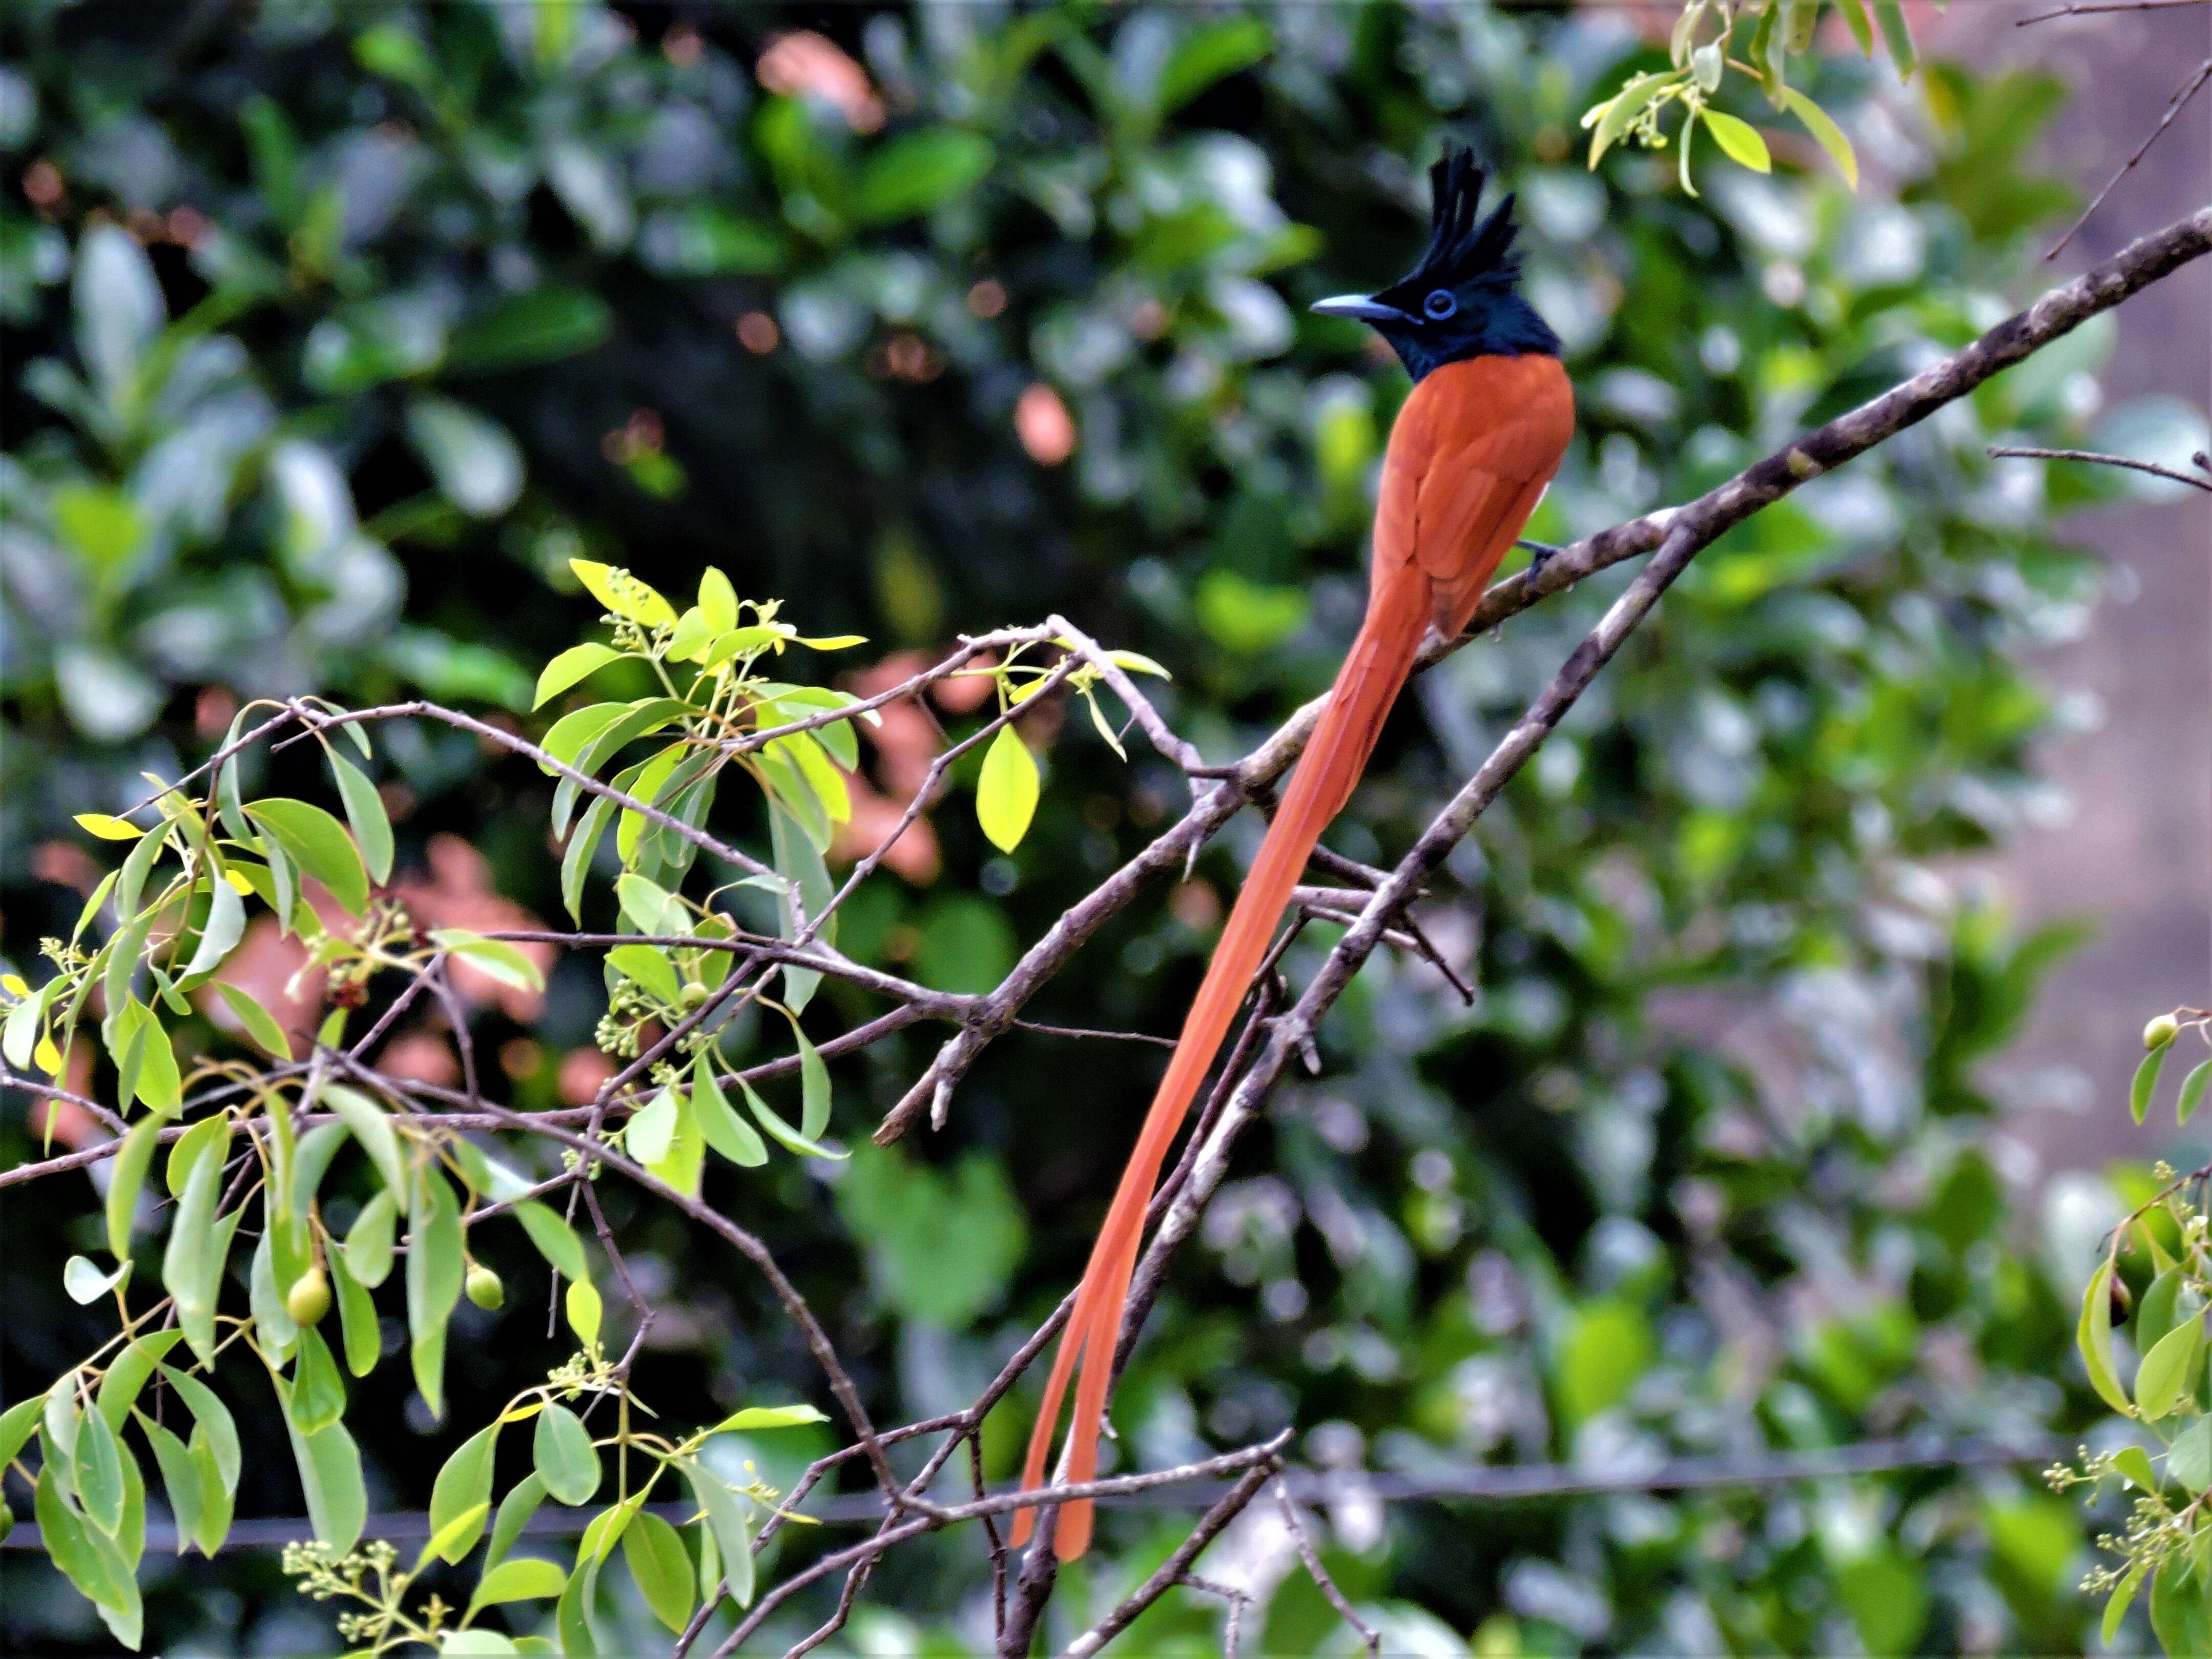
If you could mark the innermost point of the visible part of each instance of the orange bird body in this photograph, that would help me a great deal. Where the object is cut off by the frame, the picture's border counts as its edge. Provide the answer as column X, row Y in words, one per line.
column 1474, row 447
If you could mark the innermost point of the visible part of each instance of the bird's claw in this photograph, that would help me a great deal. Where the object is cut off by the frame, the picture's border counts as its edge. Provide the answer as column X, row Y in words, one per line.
column 1540, row 555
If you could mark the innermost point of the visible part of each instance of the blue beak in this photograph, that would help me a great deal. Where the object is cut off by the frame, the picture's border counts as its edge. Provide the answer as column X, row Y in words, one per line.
column 1360, row 308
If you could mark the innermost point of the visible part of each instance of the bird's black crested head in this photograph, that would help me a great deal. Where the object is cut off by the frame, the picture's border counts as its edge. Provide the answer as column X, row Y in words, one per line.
column 1463, row 299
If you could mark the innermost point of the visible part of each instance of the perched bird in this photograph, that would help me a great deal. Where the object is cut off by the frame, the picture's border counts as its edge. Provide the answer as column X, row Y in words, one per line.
column 1474, row 447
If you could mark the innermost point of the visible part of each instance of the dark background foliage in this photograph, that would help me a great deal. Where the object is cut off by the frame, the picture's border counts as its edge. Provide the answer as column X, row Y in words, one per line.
column 455, row 292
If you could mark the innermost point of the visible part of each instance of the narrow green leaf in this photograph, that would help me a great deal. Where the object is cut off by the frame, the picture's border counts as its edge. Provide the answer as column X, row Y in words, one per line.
column 576, row 859
column 364, row 811
column 1620, row 112
column 781, row 1132
column 186, row 1151
column 319, row 843
column 661, row 1567
column 515, row 1510
column 436, row 1263
column 369, row 1240
column 2133, row 1462
column 2146, row 1081
column 2167, row 1370
column 503, row 962
column 768, row 1417
column 2116, row 1608
column 2094, row 1338
column 2189, row 1461
column 554, row 1240
column 1824, row 130
column 1006, row 790
column 650, row 968
column 582, row 1306
column 1738, row 140
column 464, row 1486
column 219, row 932
column 96, row 1466
column 524, row 1578
column 566, row 1461
column 447, row 1543
column 1897, row 38
column 724, row 1131
column 214, row 1416
column 267, row 1035
column 127, row 1374
column 192, row 1266
column 180, row 1478
column 330, row 1473
column 651, row 1129
column 624, row 594
column 18, row 1425
column 318, row 1397
column 577, row 662
column 86, row 1283
column 89, row 1561
column 357, row 1323
column 2192, row 1092
column 725, row 1519
column 370, row 1125
column 130, row 1178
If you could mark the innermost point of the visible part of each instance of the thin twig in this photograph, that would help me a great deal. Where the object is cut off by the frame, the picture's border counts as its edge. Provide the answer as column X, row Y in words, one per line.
column 2093, row 456
column 2173, row 107
column 1318, row 1574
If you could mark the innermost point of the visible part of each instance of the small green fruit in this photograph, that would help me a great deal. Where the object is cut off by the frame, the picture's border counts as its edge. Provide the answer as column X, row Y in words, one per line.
column 693, row 993
column 483, row 1287
column 2160, row 1031
column 309, row 1298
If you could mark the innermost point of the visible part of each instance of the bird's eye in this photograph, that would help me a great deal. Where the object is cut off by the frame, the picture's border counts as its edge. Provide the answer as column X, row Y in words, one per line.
column 1439, row 305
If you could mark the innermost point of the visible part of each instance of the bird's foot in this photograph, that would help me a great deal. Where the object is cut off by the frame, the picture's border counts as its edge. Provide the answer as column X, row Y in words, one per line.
column 1540, row 555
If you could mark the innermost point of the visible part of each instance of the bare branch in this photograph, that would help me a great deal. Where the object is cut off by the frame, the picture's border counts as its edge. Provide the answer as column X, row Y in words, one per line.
column 2003, row 450
column 2173, row 107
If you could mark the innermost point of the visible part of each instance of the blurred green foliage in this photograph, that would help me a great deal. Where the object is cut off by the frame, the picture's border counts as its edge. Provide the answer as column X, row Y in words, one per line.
column 334, row 331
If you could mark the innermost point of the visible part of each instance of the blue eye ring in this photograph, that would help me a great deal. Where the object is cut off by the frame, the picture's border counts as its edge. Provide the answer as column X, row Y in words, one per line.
column 1439, row 305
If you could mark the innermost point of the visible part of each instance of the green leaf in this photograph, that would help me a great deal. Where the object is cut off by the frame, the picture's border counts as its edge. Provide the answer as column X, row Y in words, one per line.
column 649, row 907
column 216, row 1500
column 191, row 1266
column 624, row 594
column 542, row 327
column 2156, row 1313
column 364, row 811
column 2146, row 1080
column 725, row 1519
column 568, row 735
column 525, row 1578
column 554, row 1240
column 18, row 1425
column 2133, row 1462
column 566, row 1461
column 225, row 924
column 1897, row 38
column 91, row 1562
column 475, row 461
column 724, row 1131
column 920, row 172
column 2189, row 1461
column 2192, row 1092
column 267, row 1035
column 582, row 1304
column 208, row 1135
column 474, row 1644
column 2169, row 1369
column 799, row 861
column 662, row 1568
column 779, row 1131
column 318, row 1397
column 2170, row 1609
column 86, row 1283
column 1209, row 53
column 370, row 1125
column 452, row 1540
column 2116, row 1608
column 576, row 862
column 577, row 662
column 130, row 1177
column 1830, row 136
column 768, row 1417
column 436, row 1263
column 330, row 1475
column 2094, row 1338
column 652, row 1128
column 214, row 1419
column 1621, row 111
column 319, row 843
column 1738, row 140
column 1006, row 790
column 357, row 1323
column 96, row 1466
column 496, row 957
column 650, row 968
column 368, row 1240
column 180, row 1478
column 515, row 1510
column 127, row 1375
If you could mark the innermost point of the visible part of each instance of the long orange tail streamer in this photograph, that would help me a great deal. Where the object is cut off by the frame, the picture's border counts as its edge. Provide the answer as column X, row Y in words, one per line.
column 1365, row 688
column 1470, row 453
